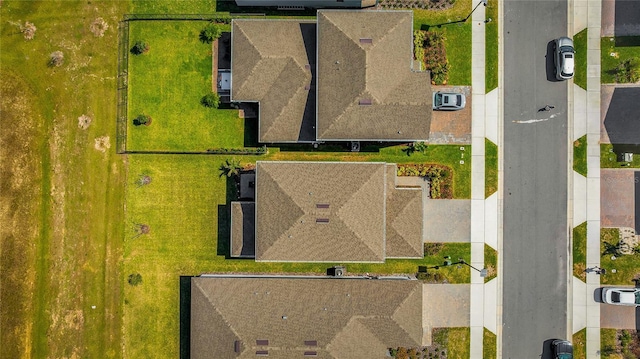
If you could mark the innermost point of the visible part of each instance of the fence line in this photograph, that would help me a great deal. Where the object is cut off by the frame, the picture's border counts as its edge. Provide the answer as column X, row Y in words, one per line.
column 122, row 112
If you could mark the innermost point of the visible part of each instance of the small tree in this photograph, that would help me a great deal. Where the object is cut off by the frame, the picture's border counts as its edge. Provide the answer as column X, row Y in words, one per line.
column 134, row 279
column 211, row 100
column 56, row 59
column 230, row 168
column 139, row 48
column 142, row 119
column 210, row 33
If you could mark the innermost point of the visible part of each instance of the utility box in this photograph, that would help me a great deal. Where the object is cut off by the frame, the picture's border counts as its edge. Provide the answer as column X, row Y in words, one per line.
column 336, row 271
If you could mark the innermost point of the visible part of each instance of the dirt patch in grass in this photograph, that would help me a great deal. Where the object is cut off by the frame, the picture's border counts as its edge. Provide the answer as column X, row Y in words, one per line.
column 102, row 143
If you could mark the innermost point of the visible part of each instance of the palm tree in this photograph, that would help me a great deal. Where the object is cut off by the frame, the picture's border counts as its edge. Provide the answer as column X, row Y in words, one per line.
column 230, row 167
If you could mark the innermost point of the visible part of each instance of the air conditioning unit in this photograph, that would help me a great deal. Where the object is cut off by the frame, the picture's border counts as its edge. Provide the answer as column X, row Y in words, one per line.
column 336, row 271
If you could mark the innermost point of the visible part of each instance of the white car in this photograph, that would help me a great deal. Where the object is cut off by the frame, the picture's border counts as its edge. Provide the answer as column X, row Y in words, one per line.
column 448, row 101
column 564, row 58
column 621, row 296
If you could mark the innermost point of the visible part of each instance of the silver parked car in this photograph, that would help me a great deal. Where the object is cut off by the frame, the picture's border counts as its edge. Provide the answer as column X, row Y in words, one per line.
column 563, row 58
column 621, row 296
column 448, row 101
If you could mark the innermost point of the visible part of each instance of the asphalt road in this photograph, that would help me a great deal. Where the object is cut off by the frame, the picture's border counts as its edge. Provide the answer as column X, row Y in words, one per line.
column 535, row 234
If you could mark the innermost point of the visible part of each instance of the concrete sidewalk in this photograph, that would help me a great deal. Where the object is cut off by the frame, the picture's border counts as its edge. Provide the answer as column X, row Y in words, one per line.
column 585, row 192
column 485, row 216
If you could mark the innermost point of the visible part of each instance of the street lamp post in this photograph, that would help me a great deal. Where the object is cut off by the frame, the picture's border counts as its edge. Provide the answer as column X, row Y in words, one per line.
column 483, row 2
column 447, row 263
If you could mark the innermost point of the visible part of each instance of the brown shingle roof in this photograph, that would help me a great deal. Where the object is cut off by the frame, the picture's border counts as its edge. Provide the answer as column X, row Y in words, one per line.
column 290, row 225
column 243, row 219
column 346, row 317
column 404, row 219
column 269, row 61
column 377, row 69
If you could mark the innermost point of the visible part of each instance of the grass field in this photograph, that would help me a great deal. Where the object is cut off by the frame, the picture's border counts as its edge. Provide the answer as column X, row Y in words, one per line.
column 580, row 251
column 580, row 155
column 491, row 46
column 490, row 262
column 457, row 37
column 62, row 198
column 490, row 168
column 623, row 48
column 168, row 86
column 580, row 44
column 173, row 6
column 456, row 340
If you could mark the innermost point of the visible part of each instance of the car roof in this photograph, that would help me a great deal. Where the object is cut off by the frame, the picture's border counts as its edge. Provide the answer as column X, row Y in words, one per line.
column 565, row 41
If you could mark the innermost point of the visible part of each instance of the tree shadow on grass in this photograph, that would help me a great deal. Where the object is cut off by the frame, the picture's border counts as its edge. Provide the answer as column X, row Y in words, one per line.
column 185, row 317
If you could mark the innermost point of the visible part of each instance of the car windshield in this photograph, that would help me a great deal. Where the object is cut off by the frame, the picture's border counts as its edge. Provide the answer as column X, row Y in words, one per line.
column 638, row 297
column 566, row 49
column 438, row 99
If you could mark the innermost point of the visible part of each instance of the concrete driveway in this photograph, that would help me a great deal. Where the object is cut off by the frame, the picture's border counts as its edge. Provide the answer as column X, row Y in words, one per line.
column 444, row 305
column 617, row 198
column 452, row 127
column 447, row 220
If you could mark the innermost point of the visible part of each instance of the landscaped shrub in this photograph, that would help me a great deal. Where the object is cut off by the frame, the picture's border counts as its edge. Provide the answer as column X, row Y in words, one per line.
column 56, row 59
column 440, row 177
column 629, row 70
column 142, row 119
column 435, row 55
column 210, row 33
column 239, row 151
column 139, row 48
column 134, row 279
column 211, row 100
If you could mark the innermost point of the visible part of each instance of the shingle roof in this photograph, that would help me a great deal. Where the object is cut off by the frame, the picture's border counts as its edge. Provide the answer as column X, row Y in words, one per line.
column 243, row 221
column 366, row 56
column 269, row 65
column 346, row 317
column 320, row 211
column 404, row 219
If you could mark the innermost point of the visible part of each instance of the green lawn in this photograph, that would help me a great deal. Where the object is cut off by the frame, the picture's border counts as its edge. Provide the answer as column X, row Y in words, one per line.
column 490, row 262
column 580, row 251
column 168, row 86
column 490, row 168
column 625, row 266
column 579, row 342
column 623, row 48
column 491, row 46
column 609, row 159
column 62, row 221
column 608, row 343
column 580, row 44
column 457, row 37
column 173, row 6
column 489, row 345
column 580, row 155
column 456, row 340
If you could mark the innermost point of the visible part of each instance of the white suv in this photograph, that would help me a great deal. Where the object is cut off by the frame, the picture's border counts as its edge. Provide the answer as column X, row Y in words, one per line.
column 563, row 58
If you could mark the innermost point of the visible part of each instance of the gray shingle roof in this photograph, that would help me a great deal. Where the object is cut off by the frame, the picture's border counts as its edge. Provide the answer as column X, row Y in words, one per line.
column 295, row 199
column 346, row 317
column 366, row 56
column 243, row 232
column 404, row 219
column 269, row 61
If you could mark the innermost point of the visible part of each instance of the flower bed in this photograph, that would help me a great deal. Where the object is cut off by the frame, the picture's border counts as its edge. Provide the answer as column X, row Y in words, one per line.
column 440, row 178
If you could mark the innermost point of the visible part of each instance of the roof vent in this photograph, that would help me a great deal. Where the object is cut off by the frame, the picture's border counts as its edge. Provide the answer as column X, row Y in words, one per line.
column 262, row 342
column 322, row 205
column 322, row 220
column 311, row 343
column 311, row 353
column 365, row 102
column 262, row 353
column 365, row 40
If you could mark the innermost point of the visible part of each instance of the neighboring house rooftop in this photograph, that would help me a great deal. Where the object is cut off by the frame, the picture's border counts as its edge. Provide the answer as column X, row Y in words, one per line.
column 328, row 212
column 367, row 89
column 286, row 317
column 272, row 63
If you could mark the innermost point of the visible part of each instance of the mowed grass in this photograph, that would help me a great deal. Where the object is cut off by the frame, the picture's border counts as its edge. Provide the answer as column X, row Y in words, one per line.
column 580, row 251
column 173, row 6
column 490, row 262
column 580, row 44
column 490, row 168
column 186, row 209
column 61, row 232
column 167, row 84
column 622, row 49
column 456, row 340
column 580, row 155
column 579, row 342
column 626, row 266
column 457, row 37
column 489, row 345
column 491, row 46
